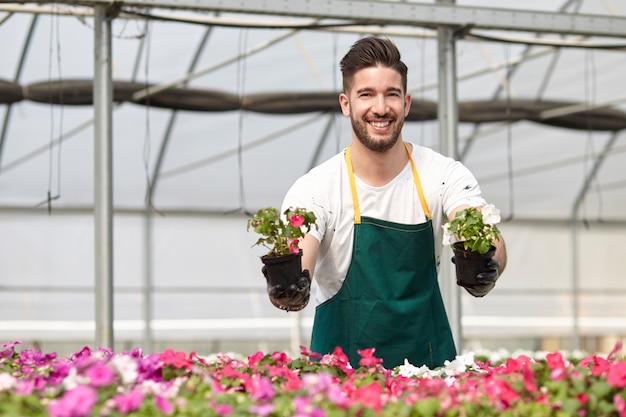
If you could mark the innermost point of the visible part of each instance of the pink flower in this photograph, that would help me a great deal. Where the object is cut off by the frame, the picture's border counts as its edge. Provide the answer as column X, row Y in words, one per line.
column 280, row 358
column 222, row 409
column 262, row 410
column 100, row 375
column 599, row 365
column 305, row 351
column 77, row 402
column 176, row 359
column 529, row 378
column 296, row 220
column 617, row 375
column 557, row 365
column 620, row 405
column 164, row 405
column 367, row 358
column 293, row 246
column 261, row 388
column 128, row 402
column 255, row 358
column 370, row 396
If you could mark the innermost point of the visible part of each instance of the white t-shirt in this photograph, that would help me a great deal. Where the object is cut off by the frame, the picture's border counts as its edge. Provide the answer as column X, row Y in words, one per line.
column 325, row 190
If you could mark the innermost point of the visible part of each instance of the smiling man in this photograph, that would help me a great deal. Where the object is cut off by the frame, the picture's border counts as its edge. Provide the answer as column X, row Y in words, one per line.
column 380, row 205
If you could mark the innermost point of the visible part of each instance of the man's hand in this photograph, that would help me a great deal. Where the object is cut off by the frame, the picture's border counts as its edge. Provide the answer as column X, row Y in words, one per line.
column 485, row 281
column 292, row 298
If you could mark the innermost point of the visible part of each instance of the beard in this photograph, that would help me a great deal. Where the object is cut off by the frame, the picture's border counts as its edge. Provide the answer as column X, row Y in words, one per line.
column 377, row 144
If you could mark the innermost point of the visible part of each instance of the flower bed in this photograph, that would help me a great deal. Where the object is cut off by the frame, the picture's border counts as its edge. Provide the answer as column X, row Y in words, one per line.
column 101, row 383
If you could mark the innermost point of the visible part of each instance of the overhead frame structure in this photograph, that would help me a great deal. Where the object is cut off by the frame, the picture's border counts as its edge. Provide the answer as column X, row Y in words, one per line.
column 457, row 20
column 365, row 12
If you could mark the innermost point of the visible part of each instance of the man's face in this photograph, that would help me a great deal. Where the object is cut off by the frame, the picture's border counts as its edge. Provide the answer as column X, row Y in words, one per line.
column 377, row 107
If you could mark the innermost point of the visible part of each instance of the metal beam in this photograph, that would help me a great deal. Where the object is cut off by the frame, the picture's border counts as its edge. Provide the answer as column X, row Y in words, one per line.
column 399, row 13
column 103, row 178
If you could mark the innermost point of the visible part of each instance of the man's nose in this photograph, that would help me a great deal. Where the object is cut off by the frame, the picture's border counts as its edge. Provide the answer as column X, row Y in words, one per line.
column 380, row 105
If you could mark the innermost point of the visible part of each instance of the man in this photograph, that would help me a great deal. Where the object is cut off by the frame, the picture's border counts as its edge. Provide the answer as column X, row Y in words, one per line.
column 380, row 205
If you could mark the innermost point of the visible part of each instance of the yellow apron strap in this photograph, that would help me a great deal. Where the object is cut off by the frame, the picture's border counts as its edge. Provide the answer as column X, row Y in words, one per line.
column 355, row 198
column 418, row 184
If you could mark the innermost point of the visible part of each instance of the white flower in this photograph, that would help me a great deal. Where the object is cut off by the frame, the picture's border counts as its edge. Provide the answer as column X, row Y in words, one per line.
column 447, row 234
column 127, row 368
column 409, row 370
column 7, row 382
column 491, row 215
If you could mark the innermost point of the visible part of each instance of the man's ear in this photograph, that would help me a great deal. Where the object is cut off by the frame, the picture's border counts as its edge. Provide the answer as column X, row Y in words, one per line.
column 345, row 104
column 407, row 105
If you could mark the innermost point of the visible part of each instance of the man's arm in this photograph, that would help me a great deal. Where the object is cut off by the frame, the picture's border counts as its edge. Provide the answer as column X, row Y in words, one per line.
column 310, row 246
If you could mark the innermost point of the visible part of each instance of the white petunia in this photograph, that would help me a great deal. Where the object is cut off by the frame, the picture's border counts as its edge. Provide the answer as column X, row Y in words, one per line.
column 447, row 234
column 491, row 215
column 7, row 381
column 126, row 367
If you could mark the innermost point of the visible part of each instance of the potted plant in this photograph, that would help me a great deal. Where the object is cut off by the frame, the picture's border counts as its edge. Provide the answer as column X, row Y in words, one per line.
column 287, row 285
column 472, row 234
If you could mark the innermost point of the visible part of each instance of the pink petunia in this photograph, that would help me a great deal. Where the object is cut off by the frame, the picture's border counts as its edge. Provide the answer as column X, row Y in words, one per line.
column 164, row 405
column 370, row 396
column 296, row 220
column 128, row 402
column 262, row 410
column 222, row 409
column 255, row 358
column 293, row 246
column 100, row 375
column 77, row 402
column 620, row 405
column 617, row 375
column 367, row 358
column 599, row 365
column 176, row 359
column 261, row 388
column 305, row 351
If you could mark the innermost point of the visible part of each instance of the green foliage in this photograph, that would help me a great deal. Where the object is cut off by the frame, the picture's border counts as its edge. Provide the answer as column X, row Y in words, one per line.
column 280, row 236
column 475, row 228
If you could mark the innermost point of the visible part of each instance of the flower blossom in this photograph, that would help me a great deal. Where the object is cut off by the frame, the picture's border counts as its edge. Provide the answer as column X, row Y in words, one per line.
column 491, row 215
column 296, row 220
column 367, row 358
column 127, row 367
column 128, row 402
column 7, row 381
column 100, row 375
column 293, row 246
column 447, row 234
column 617, row 375
column 77, row 402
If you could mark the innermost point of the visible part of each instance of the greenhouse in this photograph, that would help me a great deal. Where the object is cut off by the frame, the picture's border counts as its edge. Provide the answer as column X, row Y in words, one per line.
column 139, row 137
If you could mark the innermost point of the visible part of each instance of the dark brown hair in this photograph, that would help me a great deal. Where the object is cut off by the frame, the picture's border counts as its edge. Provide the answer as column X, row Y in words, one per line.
column 371, row 52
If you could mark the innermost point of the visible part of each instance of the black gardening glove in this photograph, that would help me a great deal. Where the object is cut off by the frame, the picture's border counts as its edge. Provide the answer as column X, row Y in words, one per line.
column 485, row 281
column 292, row 298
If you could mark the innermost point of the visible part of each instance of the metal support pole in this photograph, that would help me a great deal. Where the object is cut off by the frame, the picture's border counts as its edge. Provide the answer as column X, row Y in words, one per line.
column 103, row 178
column 580, row 198
column 448, row 137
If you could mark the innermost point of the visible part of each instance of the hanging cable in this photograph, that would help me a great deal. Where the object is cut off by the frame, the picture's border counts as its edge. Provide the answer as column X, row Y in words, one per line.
column 147, row 136
column 509, row 136
column 336, row 78
column 54, row 25
column 241, row 74
column 590, row 99
column 422, row 93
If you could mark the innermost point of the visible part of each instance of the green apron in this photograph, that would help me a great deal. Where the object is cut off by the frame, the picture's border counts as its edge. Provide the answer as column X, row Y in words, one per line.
column 390, row 299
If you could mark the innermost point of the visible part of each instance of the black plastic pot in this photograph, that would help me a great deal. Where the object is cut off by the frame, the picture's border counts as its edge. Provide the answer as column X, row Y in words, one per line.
column 469, row 264
column 285, row 281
